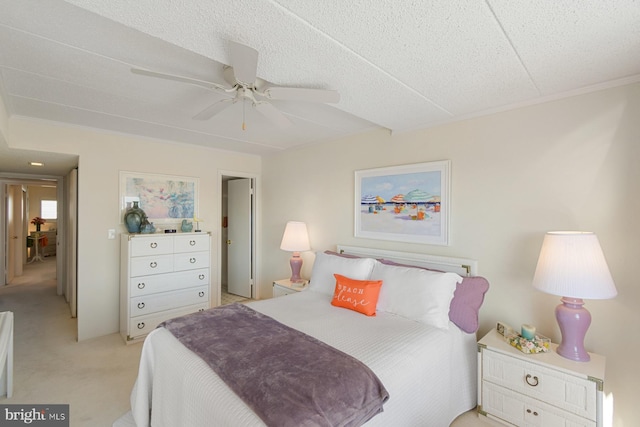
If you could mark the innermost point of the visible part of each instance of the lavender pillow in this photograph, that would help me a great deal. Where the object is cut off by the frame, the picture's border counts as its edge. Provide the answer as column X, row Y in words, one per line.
column 467, row 299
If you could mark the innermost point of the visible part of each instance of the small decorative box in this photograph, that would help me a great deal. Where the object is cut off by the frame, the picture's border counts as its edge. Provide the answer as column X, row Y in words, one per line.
column 538, row 345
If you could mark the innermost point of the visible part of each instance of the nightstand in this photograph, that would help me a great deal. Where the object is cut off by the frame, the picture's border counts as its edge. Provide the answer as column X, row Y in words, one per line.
column 285, row 287
column 543, row 389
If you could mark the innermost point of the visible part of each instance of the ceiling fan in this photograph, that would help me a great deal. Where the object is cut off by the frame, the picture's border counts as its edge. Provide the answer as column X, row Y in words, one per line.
column 246, row 86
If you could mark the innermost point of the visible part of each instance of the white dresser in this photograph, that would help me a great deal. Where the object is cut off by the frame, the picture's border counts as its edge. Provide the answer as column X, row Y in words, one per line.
column 162, row 276
column 544, row 389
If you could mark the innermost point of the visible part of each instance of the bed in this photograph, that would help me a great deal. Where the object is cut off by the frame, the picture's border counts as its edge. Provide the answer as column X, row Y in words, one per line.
column 425, row 358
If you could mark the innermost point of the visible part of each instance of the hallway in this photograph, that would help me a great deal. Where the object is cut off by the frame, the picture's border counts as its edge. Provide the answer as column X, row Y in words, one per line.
column 94, row 377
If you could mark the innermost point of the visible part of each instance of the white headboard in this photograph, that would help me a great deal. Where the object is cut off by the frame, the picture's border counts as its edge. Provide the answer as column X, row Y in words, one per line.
column 462, row 266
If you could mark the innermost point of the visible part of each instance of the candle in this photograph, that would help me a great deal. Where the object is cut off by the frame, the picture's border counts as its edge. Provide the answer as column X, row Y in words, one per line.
column 528, row 331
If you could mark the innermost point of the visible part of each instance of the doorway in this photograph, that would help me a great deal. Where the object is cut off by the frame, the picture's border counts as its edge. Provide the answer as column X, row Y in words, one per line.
column 237, row 238
column 25, row 251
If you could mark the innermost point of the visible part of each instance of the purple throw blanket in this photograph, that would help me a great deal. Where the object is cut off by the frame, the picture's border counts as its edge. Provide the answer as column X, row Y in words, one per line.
column 285, row 376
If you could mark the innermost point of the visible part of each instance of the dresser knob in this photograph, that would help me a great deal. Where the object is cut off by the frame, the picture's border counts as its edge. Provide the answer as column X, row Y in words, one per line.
column 201, row 277
column 153, row 264
column 192, row 242
column 532, row 381
column 192, row 260
column 140, row 305
column 529, row 411
column 141, row 325
column 141, row 285
column 154, row 245
column 200, row 294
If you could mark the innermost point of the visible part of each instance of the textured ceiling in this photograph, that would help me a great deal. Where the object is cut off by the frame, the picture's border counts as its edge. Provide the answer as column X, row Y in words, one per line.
column 400, row 65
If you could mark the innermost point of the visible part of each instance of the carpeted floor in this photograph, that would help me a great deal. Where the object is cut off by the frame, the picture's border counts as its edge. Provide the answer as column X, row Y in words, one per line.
column 94, row 377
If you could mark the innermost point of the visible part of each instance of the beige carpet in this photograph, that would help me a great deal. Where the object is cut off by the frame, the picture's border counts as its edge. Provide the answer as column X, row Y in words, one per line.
column 94, row 377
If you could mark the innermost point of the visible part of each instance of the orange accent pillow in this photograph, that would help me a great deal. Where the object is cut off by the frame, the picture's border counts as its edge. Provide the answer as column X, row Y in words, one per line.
column 357, row 295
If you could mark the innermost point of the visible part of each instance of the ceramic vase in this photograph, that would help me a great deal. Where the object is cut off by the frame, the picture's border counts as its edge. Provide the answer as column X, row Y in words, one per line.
column 133, row 218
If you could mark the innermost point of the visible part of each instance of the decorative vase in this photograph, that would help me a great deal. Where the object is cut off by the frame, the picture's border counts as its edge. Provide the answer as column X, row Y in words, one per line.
column 38, row 227
column 147, row 227
column 133, row 218
column 186, row 226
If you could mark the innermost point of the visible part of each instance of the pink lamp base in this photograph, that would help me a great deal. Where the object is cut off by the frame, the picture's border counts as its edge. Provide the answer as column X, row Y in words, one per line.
column 574, row 320
column 296, row 266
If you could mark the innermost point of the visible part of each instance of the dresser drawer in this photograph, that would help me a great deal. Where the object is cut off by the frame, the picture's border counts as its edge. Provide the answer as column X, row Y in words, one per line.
column 144, row 266
column 142, row 325
column 168, row 300
column 152, row 245
column 191, row 243
column 520, row 410
column 191, row 260
column 569, row 392
column 146, row 285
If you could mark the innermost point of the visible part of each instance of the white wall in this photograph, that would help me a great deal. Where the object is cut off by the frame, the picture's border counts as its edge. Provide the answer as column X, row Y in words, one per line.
column 571, row 164
column 101, row 157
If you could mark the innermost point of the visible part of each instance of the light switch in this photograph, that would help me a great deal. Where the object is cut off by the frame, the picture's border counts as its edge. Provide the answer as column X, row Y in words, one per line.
column 112, row 233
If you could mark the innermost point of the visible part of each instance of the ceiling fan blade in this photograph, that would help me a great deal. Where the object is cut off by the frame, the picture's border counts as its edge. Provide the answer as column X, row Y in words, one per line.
column 214, row 109
column 244, row 60
column 202, row 83
column 302, row 94
column 273, row 114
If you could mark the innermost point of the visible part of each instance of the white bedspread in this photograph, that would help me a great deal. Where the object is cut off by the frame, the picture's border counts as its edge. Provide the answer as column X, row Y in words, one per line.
column 430, row 373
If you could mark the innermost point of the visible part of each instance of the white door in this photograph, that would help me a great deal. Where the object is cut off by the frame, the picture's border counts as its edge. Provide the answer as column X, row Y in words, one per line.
column 239, row 250
column 71, row 232
column 14, row 232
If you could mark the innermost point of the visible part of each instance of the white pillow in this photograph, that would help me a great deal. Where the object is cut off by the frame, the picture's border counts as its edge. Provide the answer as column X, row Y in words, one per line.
column 415, row 293
column 325, row 266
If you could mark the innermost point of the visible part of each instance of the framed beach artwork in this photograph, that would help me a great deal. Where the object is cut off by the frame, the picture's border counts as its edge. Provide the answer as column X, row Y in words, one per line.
column 163, row 198
column 408, row 203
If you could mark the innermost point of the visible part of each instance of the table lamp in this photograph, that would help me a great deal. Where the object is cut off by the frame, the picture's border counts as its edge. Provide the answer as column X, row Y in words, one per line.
column 295, row 239
column 572, row 265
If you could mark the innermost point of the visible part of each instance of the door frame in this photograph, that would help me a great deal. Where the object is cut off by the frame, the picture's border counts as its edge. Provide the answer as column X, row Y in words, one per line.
column 29, row 179
column 255, row 223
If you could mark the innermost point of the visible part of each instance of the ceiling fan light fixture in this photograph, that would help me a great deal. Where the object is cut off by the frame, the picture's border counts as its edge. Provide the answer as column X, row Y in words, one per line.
column 241, row 76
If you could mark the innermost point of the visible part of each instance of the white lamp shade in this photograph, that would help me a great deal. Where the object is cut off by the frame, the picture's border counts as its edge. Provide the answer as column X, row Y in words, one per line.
column 295, row 237
column 571, row 264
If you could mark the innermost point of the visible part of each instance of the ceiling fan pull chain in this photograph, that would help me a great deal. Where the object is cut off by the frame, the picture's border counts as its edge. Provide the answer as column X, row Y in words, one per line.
column 244, row 102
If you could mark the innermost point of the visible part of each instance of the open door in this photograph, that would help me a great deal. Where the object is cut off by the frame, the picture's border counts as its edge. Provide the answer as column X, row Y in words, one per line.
column 72, row 240
column 14, row 232
column 240, row 237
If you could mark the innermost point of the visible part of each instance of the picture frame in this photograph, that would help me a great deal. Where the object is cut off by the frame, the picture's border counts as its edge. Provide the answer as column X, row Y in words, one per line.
column 407, row 203
column 165, row 199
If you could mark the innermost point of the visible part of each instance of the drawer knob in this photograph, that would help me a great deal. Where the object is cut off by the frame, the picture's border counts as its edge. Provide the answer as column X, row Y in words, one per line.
column 529, row 411
column 141, row 305
column 153, row 245
column 201, row 277
column 192, row 242
column 141, row 285
column 532, row 381
column 153, row 264
column 192, row 260
column 200, row 294
column 141, row 325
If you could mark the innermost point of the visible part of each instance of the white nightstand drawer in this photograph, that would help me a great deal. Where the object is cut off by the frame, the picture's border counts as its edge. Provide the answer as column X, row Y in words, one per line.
column 285, row 287
column 145, row 285
column 191, row 243
column 168, row 300
column 569, row 392
column 520, row 410
column 144, row 266
column 152, row 245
